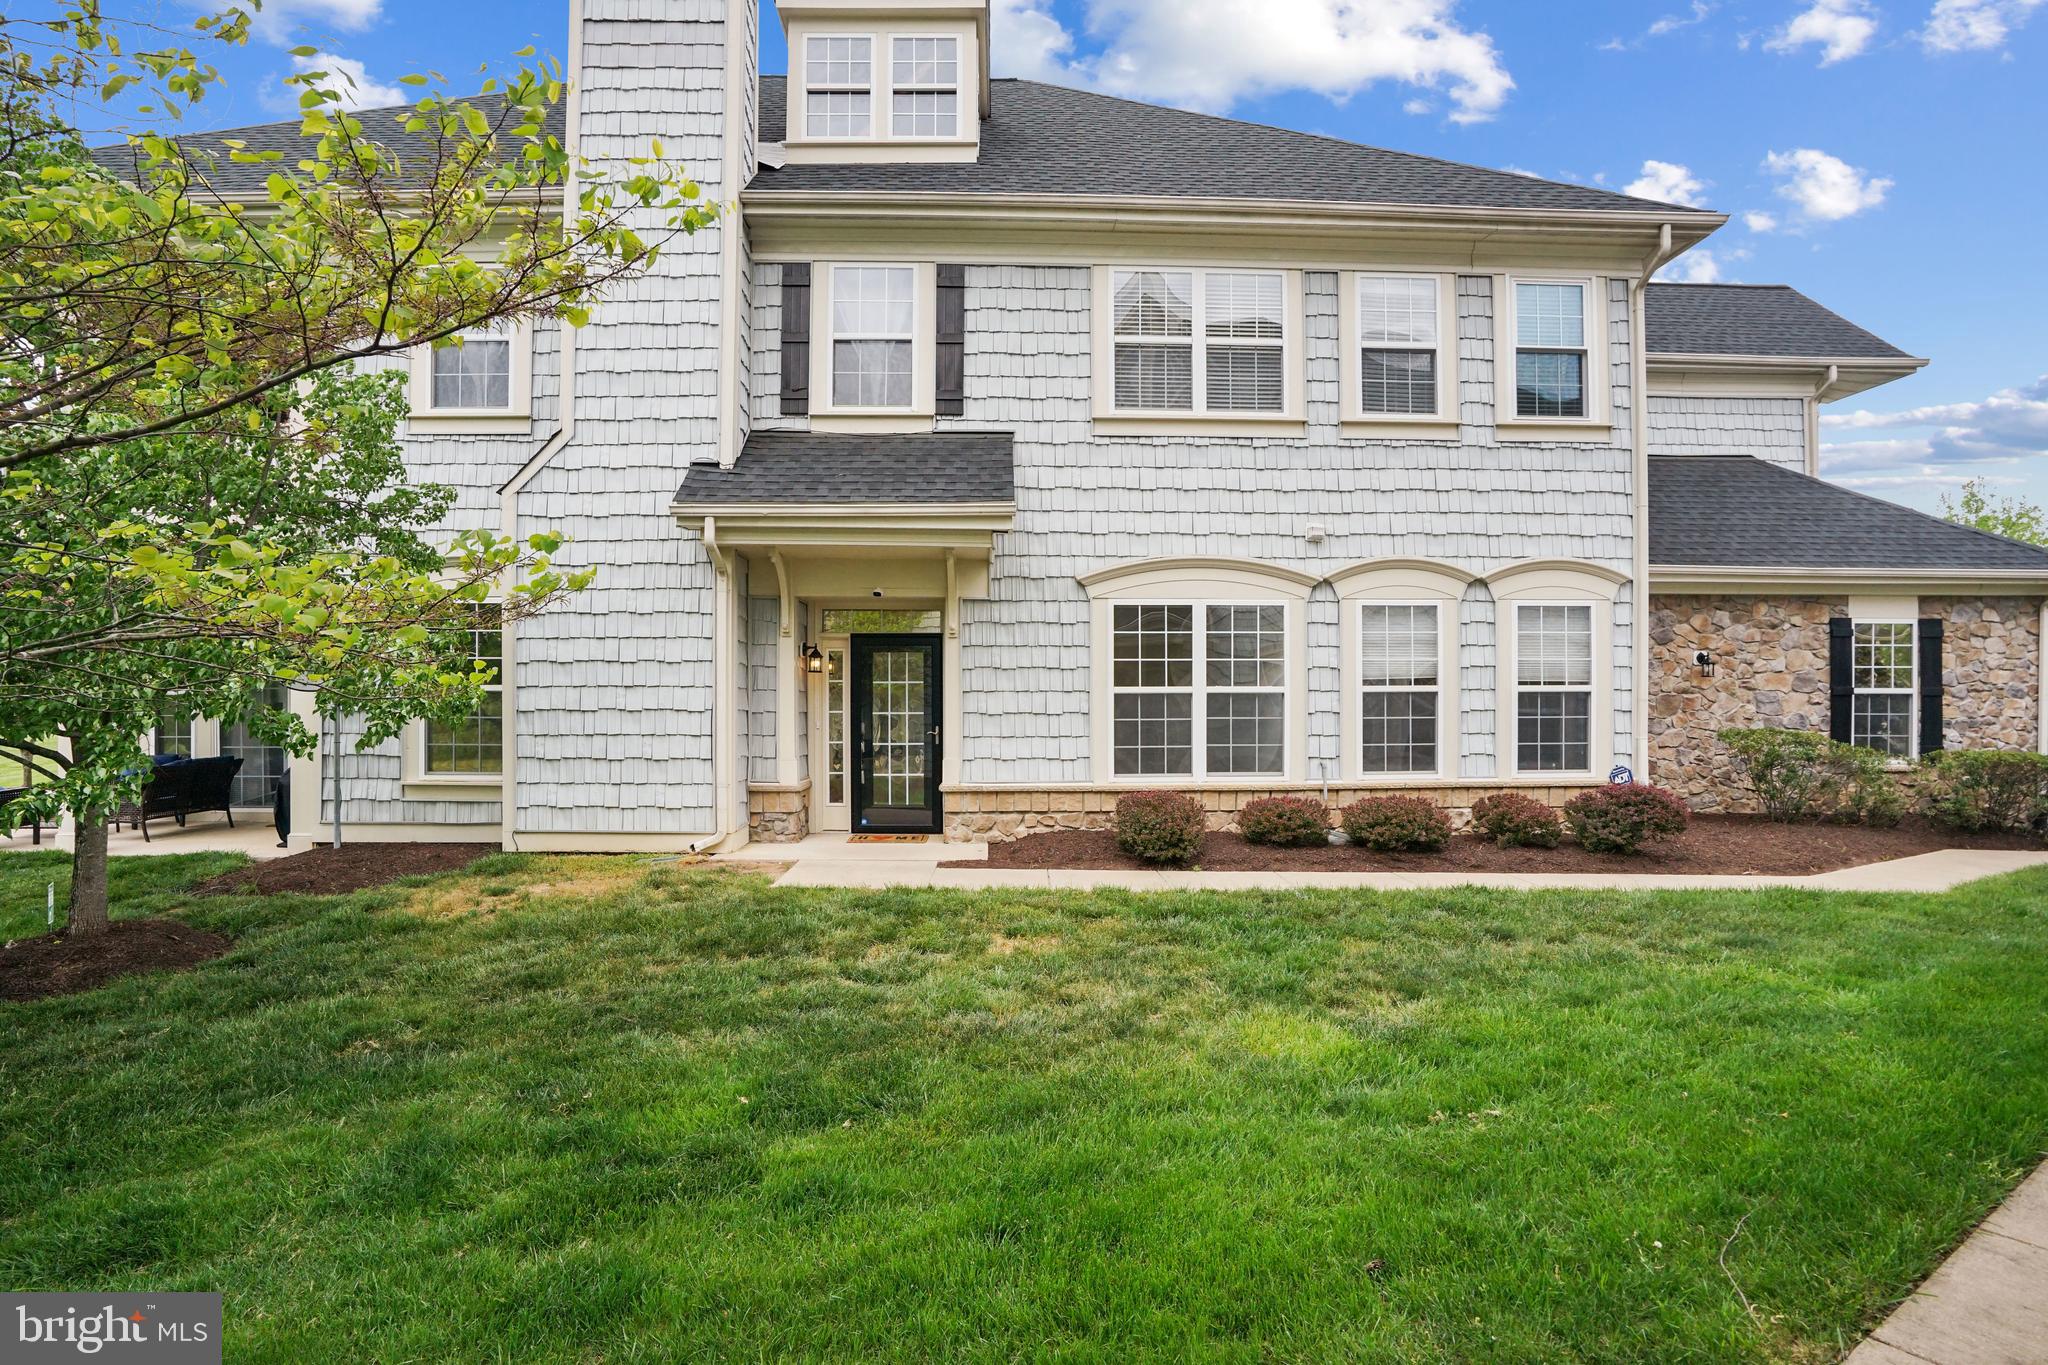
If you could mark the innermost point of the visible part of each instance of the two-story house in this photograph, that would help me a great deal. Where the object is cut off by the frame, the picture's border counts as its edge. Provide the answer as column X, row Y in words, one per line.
column 1008, row 447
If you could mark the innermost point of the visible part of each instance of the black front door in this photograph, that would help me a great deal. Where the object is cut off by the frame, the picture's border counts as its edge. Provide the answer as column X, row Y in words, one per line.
column 896, row 733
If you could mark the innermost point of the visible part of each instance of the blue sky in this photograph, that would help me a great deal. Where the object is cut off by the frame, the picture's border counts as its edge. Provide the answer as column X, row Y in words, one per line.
column 1896, row 148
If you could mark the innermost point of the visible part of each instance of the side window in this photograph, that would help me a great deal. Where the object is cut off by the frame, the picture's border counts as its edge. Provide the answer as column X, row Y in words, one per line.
column 475, row 745
column 1886, row 680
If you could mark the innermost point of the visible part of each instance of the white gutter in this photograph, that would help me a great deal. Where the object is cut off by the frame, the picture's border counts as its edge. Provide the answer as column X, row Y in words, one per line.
column 1639, row 404
column 1816, row 577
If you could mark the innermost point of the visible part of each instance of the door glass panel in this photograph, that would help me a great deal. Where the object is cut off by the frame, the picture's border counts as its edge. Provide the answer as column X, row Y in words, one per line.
column 865, row 622
column 262, row 764
column 835, row 727
column 897, row 695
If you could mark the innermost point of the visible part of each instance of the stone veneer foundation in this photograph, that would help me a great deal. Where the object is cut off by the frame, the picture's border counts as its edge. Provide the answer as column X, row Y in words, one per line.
column 778, row 815
column 1771, row 669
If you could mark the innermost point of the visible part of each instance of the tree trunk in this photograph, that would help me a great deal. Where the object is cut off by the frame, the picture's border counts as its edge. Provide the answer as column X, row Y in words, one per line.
column 88, row 909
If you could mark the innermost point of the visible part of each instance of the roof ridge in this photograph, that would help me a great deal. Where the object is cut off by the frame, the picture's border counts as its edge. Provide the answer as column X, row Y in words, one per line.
column 1362, row 146
column 1994, row 536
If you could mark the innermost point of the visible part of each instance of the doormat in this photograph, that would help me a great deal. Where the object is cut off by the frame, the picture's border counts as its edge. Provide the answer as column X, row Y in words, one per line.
column 890, row 839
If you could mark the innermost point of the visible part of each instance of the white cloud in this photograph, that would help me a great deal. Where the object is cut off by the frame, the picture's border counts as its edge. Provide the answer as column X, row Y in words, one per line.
column 1974, row 25
column 1667, row 183
column 1825, row 188
column 348, row 78
column 2008, row 430
column 1669, row 24
column 1418, row 107
column 1840, row 28
column 1757, row 221
column 285, row 22
column 1209, row 54
column 1698, row 266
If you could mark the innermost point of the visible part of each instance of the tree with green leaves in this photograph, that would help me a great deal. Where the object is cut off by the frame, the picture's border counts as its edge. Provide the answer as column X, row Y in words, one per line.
column 200, row 497
column 2013, row 518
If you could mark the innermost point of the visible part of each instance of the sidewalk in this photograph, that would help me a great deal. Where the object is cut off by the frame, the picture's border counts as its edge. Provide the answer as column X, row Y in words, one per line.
column 1987, row 1304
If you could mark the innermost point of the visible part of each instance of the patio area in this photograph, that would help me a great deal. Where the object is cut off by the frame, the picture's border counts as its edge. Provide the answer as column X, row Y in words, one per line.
column 251, row 834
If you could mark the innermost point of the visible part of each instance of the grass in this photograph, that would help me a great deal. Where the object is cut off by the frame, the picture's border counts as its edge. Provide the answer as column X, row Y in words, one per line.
column 581, row 1110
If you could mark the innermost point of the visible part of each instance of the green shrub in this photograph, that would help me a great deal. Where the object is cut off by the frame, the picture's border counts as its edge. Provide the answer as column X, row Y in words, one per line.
column 1397, row 824
column 1998, row 789
column 1803, row 774
column 1516, row 821
column 1621, row 819
column 1160, row 827
column 1285, row 821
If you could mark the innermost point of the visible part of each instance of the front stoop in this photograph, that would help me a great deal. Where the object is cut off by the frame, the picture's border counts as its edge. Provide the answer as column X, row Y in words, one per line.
column 1987, row 1304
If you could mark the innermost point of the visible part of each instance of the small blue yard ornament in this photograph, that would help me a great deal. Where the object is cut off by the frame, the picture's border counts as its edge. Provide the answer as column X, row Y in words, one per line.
column 1622, row 777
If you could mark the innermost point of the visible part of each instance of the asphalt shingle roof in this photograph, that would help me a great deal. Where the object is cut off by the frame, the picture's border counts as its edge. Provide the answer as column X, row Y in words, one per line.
column 801, row 467
column 1731, row 511
column 1048, row 140
column 1754, row 320
column 384, row 126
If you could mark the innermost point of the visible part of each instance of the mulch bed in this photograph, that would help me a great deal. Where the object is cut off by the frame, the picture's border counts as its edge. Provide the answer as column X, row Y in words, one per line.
column 58, row 964
column 328, row 871
column 1722, row 845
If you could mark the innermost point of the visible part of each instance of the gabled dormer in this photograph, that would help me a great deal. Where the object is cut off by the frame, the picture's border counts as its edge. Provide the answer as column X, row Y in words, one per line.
column 885, row 80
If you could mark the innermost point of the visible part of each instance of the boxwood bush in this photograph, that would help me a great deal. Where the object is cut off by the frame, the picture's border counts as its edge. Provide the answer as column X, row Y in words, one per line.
column 1513, row 820
column 1621, row 819
column 1285, row 821
column 1160, row 827
column 1803, row 774
column 1397, row 824
column 1994, row 789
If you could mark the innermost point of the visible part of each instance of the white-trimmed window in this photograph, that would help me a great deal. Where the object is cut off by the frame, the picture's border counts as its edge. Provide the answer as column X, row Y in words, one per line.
column 924, row 87
column 1553, row 687
column 1199, row 342
column 1553, row 369
column 1886, row 676
column 839, row 86
column 481, row 374
column 474, row 746
column 1199, row 689
column 1400, row 345
column 874, row 330
column 1401, row 687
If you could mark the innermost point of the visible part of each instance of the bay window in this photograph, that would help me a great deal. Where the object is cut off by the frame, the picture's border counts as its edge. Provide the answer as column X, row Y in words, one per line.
column 1199, row 689
column 1552, row 355
column 1886, row 673
column 1199, row 342
column 924, row 85
column 1553, row 687
column 839, row 83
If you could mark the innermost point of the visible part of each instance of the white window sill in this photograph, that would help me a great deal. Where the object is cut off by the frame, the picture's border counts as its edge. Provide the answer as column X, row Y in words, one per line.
column 470, row 423
column 1189, row 424
column 484, row 787
column 892, row 420
column 1525, row 430
column 1401, row 429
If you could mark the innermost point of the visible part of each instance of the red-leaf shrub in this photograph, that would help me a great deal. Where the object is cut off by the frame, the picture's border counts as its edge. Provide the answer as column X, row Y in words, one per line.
column 1621, row 819
column 1397, row 824
column 1285, row 821
column 1160, row 827
column 1516, row 821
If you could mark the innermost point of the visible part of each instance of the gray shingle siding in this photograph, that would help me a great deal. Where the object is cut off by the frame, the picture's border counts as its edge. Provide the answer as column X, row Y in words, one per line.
column 1772, row 429
column 1766, row 320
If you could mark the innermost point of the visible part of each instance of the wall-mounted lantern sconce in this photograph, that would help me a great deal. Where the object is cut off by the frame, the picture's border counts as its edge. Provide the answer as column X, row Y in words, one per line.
column 814, row 662
column 1703, row 662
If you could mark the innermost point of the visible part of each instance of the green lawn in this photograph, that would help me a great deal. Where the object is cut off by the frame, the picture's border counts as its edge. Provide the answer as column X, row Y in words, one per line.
column 607, row 1111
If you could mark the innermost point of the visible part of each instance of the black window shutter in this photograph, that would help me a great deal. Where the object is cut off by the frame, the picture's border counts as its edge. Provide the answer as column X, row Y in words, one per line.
column 796, row 341
column 1931, row 693
column 952, row 333
column 1841, row 677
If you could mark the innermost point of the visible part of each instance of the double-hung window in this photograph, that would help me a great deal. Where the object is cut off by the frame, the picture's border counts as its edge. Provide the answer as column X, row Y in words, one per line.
column 1399, row 336
column 1885, row 668
column 1205, row 342
column 924, row 85
column 1400, row 671
column 874, row 327
column 839, row 86
column 1199, row 689
column 475, row 745
column 1553, row 687
column 1551, row 353
column 472, row 373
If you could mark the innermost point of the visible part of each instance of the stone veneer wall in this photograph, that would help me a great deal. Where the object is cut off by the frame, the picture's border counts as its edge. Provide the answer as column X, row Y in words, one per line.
column 779, row 815
column 1771, row 669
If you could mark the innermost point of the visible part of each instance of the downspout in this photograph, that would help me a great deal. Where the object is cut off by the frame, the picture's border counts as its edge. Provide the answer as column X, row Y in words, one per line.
column 508, row 493
column 1639, row 366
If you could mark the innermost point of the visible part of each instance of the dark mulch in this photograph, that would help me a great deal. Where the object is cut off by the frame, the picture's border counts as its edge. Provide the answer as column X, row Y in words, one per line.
column 58, row 964
column 328, row 871
column 1716, row 845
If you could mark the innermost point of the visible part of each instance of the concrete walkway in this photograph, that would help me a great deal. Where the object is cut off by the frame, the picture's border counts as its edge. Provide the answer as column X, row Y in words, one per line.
column 829, row 860
column 1987, row 1304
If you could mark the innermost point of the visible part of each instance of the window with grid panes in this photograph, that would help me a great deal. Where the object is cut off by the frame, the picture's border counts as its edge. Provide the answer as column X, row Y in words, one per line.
column 924, row 78
column 474, row 745
column 874, row 326
column 1553, row 688
column 1398, row 340
column 1550, row 350
column 1886, row 686
column 839, row 83
column 473, row 373
column 1400, row 659
column 1199, row 689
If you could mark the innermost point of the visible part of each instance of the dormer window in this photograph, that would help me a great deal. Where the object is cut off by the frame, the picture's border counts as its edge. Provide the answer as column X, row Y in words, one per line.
column 839, row 86
column 924, row 82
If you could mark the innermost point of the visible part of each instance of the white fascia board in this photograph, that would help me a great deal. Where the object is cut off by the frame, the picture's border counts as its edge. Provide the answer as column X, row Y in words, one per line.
column 1679, row 577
